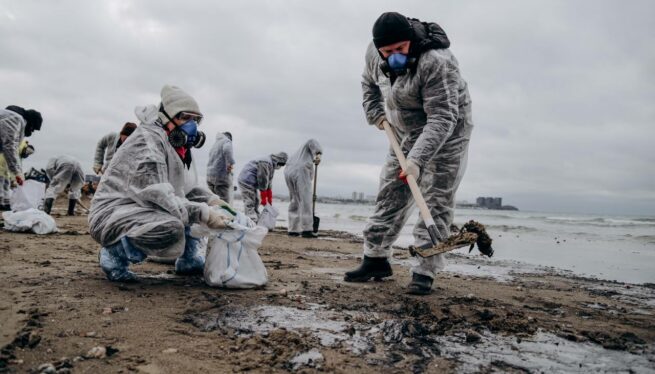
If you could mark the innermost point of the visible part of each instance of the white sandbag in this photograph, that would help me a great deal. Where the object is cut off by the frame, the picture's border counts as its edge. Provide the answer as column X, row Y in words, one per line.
column 268, row 217
column 232, row 260
column 28, row 196
column 34, row 220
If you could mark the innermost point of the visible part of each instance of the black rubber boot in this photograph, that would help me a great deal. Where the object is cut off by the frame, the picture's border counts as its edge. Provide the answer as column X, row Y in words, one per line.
column 309, row 234
column 71, row 207
column 47, row 205
column 5, row 207
column 293, row 234
column 371, row 267
column 420, row 285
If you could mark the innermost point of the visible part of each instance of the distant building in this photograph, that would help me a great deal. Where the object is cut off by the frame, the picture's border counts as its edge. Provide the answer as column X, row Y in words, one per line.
column 490, row 202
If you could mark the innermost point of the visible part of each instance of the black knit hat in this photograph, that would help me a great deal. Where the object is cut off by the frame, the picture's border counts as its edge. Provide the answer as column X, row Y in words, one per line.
column 128, row 128
column 390, row 28
column 33, row 119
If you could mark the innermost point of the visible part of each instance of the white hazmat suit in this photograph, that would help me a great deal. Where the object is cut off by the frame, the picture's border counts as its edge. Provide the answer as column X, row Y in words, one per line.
column 145, row 202
column 64, row 171
column 299, row 175
column 430, row 111
column 105, row 150
column 219, row 173
column 258, row 175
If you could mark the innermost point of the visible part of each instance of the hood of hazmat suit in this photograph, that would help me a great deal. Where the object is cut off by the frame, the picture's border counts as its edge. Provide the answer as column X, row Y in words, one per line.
column 279, row 159
column 303, row 159
column 147, row 193
column 259, row 173
column 220, row 158
column 12, row 131
column 299, row 175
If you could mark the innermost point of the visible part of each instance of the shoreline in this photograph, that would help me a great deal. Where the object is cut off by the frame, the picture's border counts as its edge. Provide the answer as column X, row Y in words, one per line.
column 57, row 306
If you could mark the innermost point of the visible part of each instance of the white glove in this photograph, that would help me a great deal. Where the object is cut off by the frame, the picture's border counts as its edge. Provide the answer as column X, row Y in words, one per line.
column 317, row 159
column 215, row 220
column 411, row 169
column 97, row 168
column 381, row 122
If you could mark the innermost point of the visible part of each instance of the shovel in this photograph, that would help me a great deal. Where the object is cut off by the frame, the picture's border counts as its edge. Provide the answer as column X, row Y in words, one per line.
column 317, row 221
column 436, row 247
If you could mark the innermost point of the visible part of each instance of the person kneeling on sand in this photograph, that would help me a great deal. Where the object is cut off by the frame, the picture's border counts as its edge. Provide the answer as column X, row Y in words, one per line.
column 149, row 195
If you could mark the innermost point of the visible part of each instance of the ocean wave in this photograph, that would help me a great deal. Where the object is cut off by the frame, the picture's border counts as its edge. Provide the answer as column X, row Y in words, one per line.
column 647, row 239
column 496, row 215
column 601, row 222
column 511, row 228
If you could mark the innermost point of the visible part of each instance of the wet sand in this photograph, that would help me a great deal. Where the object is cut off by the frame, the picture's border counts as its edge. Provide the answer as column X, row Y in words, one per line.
column 56, row 306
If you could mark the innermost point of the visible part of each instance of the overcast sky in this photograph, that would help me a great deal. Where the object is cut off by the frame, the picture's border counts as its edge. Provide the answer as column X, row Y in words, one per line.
column 563, row 91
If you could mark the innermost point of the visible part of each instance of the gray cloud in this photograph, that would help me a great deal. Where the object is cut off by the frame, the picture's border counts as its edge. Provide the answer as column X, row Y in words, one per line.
column 562, row 91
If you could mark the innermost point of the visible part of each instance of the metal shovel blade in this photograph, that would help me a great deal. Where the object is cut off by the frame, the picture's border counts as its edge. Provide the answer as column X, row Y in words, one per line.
column 465, row 239
column 317, row 222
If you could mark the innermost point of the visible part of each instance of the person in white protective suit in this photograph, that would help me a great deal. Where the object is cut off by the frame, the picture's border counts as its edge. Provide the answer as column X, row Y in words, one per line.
column 149, row 195
column 63, row 171
column 299, row 175
column 6, row 177
column 220, row 167
column 412, row 82
column 15, row 124
column 107, row 146
column 258, row 175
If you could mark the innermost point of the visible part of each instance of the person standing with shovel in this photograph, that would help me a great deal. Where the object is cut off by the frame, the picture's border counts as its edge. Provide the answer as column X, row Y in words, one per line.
column 298, row 173
column 412, row 87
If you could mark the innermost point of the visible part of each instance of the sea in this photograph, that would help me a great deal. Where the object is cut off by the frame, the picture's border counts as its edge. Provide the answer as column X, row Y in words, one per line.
column 609, row 247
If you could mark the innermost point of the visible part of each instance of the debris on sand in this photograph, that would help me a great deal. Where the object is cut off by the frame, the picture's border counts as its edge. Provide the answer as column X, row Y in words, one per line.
column 312, row 358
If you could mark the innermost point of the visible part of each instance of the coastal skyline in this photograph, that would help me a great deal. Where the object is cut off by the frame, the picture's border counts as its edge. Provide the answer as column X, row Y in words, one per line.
column 562, row 104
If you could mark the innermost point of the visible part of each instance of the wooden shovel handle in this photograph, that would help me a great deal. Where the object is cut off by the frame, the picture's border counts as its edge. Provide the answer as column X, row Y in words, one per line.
column 413, row 186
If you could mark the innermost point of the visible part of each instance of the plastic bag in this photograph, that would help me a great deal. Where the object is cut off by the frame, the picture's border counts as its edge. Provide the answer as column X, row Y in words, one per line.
column 268, row 217
column 232, row 259
column 34, row 220
column 28, row 196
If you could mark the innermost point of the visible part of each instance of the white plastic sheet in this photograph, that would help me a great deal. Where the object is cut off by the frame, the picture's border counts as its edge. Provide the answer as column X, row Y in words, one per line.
column 28, row 196
column 30, row 220
column 232, row 260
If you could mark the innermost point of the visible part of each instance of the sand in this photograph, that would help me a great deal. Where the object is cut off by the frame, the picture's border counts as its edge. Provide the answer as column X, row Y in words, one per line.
column 56, row 306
